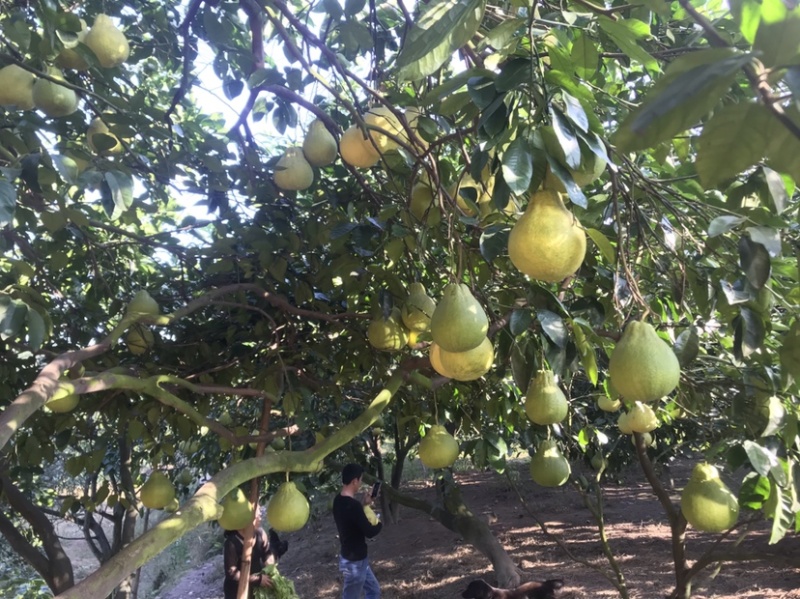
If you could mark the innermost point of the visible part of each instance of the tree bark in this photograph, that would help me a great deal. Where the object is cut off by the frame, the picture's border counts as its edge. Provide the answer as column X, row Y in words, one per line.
column 452, row 513
column 54, row 566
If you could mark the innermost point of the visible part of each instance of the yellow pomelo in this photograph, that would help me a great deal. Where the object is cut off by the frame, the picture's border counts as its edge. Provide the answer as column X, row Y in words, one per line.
column 139, row 339
column 387, row 334
column 483, row 188
column 319, row 146
column 642, row 418
column 545, row 402
column 649, row 440
column 53, row 99
column 68, row 58
column 382, row 125
column 64, row 399
column 706, row 502
column 288, row 510
column 605, row 403
column 549, row 467
column 98, row 126
column 459, row 322
column 293, row 172
column 423, row 206
column 157, row 492
column 623, row 424
column 417, row 309
column 468, row 365
column 107, row 42
column 16, row 87
column 142, row 304
column 237, row 511
column 438, row 448
column 356, row 150
column 547, row 243
column 372, row 517
column 435, row 356
column 642, row 365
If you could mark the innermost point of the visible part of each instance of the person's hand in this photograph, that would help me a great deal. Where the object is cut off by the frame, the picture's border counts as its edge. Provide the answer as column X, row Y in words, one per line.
column 265, row 581
column 367, row 499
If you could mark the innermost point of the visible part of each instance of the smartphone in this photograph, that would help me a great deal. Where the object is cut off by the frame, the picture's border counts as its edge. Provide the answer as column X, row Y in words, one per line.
column 375, row 488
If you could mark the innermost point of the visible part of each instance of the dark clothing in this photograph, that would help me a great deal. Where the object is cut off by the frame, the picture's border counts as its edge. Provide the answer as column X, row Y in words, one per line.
column 234, row 545
column 353, row 527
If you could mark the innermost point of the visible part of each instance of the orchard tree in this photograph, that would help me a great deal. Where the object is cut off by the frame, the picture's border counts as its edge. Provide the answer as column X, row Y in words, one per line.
column 178, row 289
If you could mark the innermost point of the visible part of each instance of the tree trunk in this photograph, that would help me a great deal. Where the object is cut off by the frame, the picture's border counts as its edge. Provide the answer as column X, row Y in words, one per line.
column 452, row 513
column 54, row 566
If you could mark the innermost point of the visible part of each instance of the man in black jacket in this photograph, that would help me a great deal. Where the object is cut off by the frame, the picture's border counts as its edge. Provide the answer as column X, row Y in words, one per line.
column 354, row 528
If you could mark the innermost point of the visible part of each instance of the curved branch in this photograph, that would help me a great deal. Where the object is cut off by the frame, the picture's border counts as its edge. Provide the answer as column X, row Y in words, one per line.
column 204, row 505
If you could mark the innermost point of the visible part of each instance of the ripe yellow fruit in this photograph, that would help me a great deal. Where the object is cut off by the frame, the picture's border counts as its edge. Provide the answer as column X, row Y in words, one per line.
column 387, row 334
column 98, row 126
column 63, row 400
column 642, row 365
column 545, row 402
column 469, row 365
column 356, row 150
column 642, row 418
column 68, row 58
column 293, row 172
column 142, row 304
column 107, row 42
column 53, row 99
column 319, row 146
column 459, row 322
column 417, row 309
column 288, row 510
column 382, row 125
column 438, row 448
column 423, row 205
column 372, row 517
column 157, row 492
column 435, row 356
column 16, row 87
column 237, row 511
column 605, row 403
column 707, row 503
column 547, row 243
column 549, row 467
column 483, row 189
column 623, row 424
column 139, row 339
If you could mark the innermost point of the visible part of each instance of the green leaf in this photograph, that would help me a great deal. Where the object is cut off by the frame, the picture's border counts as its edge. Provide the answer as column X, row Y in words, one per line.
column 603, row 244
column 734, row 139
column 778, row 44
column 574, row 192
column 494, row 241
column 748, row 334
column 755, row 262
column 587, row 352
column 626, row 33
column 13, row 314
column 585, row 57
column 520, row 321
column 566, row 139
column 442, row 28
column 499, row 37
column 117, row 193
column 777, row 189
column 517, row 165
column 687, row 346
column 8, row 202
column 553, row 326
column 723, row 224
column 679, row 99
column 575, row 112
column 36, row 329
column 761, row 458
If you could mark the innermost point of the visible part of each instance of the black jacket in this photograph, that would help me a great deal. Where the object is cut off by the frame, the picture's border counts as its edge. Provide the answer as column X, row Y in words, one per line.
column 353, row 526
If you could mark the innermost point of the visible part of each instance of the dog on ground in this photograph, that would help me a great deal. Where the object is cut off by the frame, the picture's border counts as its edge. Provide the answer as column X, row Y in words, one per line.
column 480, row 589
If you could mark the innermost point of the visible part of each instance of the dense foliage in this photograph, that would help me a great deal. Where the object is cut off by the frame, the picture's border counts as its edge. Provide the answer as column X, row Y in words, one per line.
column 688, row 111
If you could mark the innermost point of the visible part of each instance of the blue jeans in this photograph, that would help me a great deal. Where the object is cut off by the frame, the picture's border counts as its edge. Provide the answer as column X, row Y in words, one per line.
column 358, row 577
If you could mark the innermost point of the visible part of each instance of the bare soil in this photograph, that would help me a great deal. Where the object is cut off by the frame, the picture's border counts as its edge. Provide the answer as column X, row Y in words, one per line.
column 417, row 558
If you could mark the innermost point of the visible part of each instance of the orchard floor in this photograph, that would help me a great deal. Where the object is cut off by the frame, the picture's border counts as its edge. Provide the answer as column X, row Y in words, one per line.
column 419, row 559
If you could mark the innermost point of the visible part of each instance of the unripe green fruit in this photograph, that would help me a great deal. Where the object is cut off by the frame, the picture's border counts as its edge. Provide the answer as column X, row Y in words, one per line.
column 545, row 402
column 707, row 503
column 157, row 492
column 549, row 467
column 438, row 448
column 288, row 510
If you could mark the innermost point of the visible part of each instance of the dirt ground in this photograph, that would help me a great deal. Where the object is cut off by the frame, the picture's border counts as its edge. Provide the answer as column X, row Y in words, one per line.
column 419, row 559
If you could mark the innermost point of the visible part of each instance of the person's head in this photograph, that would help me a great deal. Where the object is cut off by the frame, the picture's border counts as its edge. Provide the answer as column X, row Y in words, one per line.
column 351, row 475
